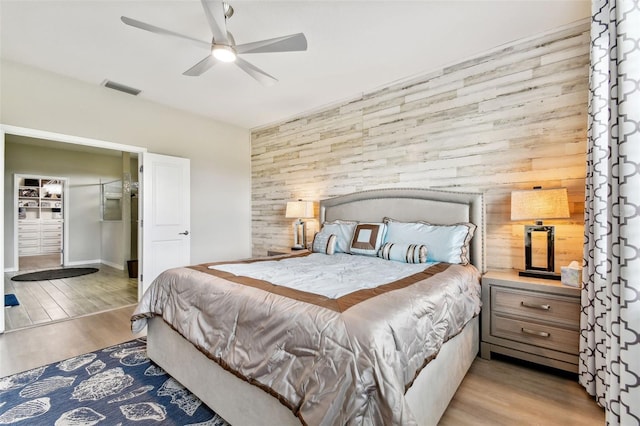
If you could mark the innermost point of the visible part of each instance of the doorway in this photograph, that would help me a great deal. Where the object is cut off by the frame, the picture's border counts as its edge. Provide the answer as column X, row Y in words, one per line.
column 164, row 198
column 69, row 143
column 93, row 192
column 94, row 196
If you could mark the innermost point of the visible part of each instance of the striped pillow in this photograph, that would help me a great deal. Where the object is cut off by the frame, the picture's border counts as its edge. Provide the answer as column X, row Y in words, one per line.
column 402, row 252
column 325, row 243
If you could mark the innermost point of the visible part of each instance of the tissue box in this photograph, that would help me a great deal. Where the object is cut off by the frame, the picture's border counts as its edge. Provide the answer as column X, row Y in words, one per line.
column 571, row 276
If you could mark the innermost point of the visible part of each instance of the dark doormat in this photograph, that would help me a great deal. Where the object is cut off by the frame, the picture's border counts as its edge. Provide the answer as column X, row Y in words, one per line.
column 54, row 274
column 10, row 300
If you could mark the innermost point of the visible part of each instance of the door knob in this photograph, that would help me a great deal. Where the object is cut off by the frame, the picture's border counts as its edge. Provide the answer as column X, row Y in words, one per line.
column 183, row 233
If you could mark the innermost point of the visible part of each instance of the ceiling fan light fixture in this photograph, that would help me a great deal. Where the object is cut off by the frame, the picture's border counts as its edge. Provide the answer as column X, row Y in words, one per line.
column 224, row 53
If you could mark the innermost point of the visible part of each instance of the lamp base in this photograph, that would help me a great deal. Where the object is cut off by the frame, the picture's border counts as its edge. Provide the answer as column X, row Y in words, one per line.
column 299, row 235
column 540, row 274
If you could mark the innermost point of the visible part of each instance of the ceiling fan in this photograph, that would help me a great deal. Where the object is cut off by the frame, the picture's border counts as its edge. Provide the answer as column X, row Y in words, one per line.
column 223, row 47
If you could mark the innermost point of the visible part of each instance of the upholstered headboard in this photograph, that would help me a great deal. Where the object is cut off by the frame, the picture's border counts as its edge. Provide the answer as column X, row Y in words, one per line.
column 412, row 204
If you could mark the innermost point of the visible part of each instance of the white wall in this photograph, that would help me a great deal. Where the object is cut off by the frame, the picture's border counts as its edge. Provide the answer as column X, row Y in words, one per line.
column 219, row 153
column 112, row 249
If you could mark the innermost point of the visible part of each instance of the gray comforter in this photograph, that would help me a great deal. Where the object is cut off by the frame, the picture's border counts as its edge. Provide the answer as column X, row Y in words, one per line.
column 331, row 361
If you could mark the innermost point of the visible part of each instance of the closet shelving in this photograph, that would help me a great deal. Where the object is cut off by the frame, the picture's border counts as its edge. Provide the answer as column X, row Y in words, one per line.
column 39, row 216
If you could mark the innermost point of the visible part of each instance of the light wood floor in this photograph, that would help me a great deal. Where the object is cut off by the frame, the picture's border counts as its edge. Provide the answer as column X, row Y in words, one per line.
column 493, row 392
column 42, row 302
column 34, row 263
column 507, row 392
column 28, row 348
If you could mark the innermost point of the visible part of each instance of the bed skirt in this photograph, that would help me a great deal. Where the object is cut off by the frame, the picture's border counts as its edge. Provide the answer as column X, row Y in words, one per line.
column 241, row 403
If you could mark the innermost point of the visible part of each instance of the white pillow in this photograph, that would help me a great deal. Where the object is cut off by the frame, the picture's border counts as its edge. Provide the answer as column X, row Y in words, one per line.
column 445, row 243
column 403, row 252
column 323, row 242
column 367, row 238
column 343, row 230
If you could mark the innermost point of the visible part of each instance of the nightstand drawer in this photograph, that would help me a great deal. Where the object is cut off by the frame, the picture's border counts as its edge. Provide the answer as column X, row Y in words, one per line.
column 532, row 333
column 536, row 305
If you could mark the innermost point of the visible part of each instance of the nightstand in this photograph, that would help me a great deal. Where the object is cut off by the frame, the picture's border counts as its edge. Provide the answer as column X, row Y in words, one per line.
column 532, row 319
column 282, row 251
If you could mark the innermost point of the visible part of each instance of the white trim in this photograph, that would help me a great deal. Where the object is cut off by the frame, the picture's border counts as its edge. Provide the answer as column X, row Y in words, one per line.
column 113, row 265
column 85, row 262
column 78, row 140
column 96, row 262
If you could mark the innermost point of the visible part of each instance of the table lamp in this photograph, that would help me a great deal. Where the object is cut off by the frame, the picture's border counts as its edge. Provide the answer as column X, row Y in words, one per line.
column 539, row 204
column 299, row 210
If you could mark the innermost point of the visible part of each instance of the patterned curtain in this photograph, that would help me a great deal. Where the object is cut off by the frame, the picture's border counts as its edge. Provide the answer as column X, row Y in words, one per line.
column 610, row 319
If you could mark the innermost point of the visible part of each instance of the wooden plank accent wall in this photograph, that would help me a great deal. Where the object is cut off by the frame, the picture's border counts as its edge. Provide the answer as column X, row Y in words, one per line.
column 510, row 119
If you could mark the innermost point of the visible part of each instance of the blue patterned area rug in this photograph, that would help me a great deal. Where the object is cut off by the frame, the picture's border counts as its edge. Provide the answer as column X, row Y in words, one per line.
column 118, row 385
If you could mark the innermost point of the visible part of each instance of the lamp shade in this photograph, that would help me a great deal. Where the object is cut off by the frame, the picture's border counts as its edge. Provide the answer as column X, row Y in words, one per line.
column 540, row 204
column 299, row 209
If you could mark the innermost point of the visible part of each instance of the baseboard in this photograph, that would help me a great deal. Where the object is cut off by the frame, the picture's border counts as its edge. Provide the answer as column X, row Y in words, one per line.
column 113, row 265
column 83, row 262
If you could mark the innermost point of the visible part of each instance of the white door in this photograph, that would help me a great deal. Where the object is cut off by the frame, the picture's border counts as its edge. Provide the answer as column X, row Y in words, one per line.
column 165, row 230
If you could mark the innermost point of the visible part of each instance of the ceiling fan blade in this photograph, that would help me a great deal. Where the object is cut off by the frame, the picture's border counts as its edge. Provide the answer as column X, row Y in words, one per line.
column 289, row 43
column 256, row 72
column 214, row 10
column 152, row 28
column 201, row 67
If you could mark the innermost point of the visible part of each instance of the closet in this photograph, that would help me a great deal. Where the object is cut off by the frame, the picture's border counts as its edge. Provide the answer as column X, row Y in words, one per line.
column 40, row 215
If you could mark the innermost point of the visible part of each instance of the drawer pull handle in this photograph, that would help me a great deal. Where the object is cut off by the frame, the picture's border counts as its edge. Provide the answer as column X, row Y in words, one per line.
column 535, row 333
column 535, row 306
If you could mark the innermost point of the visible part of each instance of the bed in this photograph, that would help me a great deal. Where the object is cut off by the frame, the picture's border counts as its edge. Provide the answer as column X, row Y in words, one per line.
column 243, row 399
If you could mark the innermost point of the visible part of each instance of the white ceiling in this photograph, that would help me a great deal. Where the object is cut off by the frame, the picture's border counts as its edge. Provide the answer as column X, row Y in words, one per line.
column 354, row 46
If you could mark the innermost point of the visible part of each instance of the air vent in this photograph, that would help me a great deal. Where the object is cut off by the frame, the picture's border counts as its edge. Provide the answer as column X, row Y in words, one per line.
column 121, row 87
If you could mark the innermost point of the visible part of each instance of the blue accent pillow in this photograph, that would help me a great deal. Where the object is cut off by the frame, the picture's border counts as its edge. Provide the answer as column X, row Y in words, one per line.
column 343, row 230
column 445, row 243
